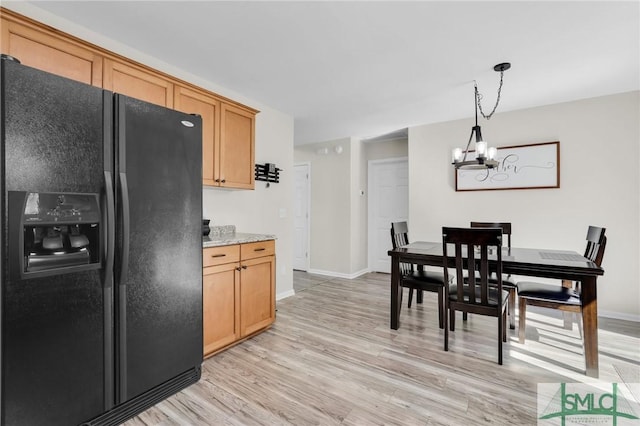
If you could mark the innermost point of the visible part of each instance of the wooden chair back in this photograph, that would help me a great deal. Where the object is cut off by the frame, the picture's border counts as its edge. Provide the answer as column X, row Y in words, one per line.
column 596, row 243
column 505, row 226
column 483, row 297
column 399, row 234
column 399, row 238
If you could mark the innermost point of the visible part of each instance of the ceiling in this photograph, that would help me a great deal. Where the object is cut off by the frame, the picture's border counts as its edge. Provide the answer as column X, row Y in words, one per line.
column 365, row 69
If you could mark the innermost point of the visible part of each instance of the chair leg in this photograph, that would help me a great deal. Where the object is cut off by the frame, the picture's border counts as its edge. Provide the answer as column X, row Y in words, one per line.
column 452, row 319
column 410, row 296
column 512, row 308
column 579, row 321
column 440, row 307
column 567, row 316
column 419, row 294
column 464, row 316
column 522, row 308
column 446, row 329
column 501, row 324
column 504, row 329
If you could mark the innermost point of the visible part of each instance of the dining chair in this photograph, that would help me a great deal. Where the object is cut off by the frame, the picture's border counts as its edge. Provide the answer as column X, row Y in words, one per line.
column 562, row 297
column 508, row 282
column 417, row 279
column 475, row 294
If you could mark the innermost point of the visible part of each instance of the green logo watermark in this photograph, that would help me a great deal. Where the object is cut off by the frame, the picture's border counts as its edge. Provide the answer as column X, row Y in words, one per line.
column 587, row 404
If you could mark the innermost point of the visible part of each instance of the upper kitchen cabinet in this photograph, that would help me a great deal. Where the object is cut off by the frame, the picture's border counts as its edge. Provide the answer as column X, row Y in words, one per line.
column 228, row 127
column 207, row 107
column 237, row 147
column 137, row 82
column 227, row 138
column 48, row 50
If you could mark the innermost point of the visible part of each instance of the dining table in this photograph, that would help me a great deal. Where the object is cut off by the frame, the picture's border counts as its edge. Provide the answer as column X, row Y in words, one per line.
column 546, row 263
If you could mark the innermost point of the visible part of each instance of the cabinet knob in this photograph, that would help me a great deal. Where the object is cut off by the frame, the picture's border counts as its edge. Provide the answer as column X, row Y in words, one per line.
column 223, row 180
column 238, row 269
column 244, row 266
column 217, row 180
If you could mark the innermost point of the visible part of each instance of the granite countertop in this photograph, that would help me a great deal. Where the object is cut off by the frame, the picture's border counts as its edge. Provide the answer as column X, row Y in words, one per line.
column 227, row 235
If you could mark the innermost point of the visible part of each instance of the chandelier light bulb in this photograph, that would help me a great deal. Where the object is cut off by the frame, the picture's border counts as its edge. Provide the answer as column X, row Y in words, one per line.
column 492, row 152
column 456, row 155
column 481, row 149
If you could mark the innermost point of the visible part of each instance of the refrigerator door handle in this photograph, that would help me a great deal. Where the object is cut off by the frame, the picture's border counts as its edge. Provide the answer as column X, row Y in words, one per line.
column 126, row 222
column 108, row 293
column 110, row 229
column 121, row 392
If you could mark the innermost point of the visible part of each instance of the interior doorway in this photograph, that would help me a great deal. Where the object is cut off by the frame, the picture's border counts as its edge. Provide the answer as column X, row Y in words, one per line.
column 388, row 202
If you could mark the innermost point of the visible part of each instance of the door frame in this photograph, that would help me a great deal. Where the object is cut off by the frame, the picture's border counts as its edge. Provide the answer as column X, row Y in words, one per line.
column 307, row 164
column 371, row 203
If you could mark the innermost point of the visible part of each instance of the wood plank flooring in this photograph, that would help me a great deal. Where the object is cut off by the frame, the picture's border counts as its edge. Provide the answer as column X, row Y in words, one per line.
column 331, row 359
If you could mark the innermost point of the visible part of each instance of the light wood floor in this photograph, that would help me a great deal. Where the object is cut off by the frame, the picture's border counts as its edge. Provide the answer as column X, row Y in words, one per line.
column 331, row 359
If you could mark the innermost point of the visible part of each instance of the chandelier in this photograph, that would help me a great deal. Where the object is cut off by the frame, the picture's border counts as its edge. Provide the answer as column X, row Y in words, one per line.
column 484, row 155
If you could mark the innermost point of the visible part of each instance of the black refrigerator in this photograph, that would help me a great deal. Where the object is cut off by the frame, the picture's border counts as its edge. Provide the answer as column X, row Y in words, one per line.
column 101, row 254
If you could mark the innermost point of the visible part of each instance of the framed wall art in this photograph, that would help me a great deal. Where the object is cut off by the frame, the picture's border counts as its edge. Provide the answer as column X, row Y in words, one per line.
column 519, row 167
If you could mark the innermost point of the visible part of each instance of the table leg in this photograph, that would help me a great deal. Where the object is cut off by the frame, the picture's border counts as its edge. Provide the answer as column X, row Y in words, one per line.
column 395, row 293
column 590, row 325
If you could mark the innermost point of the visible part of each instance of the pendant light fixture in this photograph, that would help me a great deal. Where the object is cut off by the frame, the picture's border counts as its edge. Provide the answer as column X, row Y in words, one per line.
column 484, row 155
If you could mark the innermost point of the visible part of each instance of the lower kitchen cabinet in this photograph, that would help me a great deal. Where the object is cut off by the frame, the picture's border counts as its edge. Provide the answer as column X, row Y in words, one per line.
column 256, row 294
column 238, row 293
column 221, row 322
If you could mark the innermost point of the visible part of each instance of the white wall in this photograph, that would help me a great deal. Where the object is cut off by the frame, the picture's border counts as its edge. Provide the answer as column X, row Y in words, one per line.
column 395, row 148
column 599, row 185
column 251, row 211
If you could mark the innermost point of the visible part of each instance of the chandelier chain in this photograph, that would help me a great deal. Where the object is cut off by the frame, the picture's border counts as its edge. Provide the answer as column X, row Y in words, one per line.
column 479, row 98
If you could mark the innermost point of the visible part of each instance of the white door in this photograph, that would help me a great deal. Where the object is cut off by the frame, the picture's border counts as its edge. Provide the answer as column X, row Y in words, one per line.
column 388, row 202
column 302, row 188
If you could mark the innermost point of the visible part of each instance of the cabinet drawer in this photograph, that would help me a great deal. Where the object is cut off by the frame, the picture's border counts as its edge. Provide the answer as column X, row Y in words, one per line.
column 220, row 255
column 259, row 249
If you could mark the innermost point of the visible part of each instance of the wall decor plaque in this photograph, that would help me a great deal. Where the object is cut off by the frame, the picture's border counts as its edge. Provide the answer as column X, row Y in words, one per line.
column 530, row 166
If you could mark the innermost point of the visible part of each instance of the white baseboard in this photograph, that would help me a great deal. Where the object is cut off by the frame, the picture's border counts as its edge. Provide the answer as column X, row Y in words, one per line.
column 339, row 274
column 285, row 294
column 618, row 315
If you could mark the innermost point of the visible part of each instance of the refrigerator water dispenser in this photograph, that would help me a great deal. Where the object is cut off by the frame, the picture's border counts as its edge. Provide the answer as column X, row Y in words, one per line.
column 54, row 232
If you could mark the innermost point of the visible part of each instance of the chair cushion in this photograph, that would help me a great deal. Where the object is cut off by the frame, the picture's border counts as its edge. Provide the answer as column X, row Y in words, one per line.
column 550, row 292
column 426, row 280
column 493, row 294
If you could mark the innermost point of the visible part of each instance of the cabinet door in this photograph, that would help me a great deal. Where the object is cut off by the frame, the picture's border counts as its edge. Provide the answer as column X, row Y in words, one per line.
column 237, row 128
column 137, row 83
column 44, row 51
column 208, row 107
column 257, row 294
column 221, row 306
